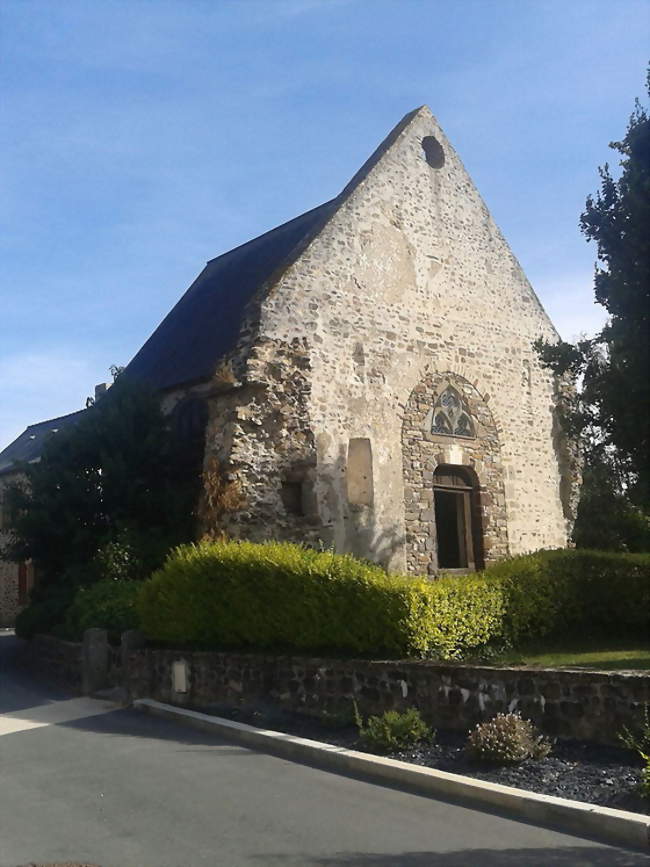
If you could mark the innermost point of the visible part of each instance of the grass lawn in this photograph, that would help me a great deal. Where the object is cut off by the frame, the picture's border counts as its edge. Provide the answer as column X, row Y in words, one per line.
column 607, row 655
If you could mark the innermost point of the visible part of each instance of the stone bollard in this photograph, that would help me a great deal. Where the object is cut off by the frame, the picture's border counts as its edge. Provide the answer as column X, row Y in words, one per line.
column 94, row 661
column 121, row 674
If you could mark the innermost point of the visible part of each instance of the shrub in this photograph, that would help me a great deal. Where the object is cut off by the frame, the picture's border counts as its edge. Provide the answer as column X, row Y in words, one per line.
column 283, row 596
column 392, row 730
column 46, row 610
column 506, row 739
column 110, row 605
column 118, row 560
column 280, row 595
column 586, row 591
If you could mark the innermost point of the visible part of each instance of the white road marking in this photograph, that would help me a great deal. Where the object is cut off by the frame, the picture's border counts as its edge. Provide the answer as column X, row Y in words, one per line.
column 52, row 713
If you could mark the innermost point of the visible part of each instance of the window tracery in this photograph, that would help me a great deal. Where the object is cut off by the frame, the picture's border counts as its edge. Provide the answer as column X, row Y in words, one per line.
column 450, row 416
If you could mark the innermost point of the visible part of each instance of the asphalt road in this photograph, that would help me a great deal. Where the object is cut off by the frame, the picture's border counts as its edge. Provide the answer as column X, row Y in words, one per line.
column 83, row 782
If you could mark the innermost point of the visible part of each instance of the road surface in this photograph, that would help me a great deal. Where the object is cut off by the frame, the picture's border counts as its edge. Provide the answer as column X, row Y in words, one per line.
column 83, row 782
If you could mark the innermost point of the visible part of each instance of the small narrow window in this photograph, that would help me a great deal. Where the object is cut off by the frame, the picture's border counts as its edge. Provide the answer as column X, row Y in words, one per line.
column 359, row 472
column 292, row 499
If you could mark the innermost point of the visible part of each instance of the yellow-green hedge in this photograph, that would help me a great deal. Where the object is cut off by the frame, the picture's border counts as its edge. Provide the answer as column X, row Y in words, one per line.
column 289, row 598
column 588, row 592
column 282, row 596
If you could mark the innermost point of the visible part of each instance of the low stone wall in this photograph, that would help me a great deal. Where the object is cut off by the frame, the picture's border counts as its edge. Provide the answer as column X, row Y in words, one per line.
column 55, row 659
column 569, row 704
column 588, row 705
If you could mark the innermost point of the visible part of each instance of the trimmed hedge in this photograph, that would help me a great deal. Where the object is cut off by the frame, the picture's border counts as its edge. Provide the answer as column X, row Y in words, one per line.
column 285, row 597
column 589, row 592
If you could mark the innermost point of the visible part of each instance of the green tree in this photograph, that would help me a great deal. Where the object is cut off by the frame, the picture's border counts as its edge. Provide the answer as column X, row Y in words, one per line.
column 611, row 372
column 110, row 495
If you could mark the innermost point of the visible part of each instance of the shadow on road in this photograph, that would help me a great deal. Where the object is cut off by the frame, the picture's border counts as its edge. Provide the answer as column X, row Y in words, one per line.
column 20, row 688
column 569, row 856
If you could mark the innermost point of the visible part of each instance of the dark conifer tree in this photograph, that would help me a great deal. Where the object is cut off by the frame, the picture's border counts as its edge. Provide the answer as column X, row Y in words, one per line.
column 612, row 371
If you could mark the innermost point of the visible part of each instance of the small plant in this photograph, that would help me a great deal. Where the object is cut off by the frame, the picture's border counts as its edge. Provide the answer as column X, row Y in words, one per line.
column 392, row 730
column 645, row 778
column 506, row 739
column 639, row 741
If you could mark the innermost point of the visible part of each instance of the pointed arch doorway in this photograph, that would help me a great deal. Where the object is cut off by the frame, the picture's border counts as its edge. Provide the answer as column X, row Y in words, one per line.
column 457, row 516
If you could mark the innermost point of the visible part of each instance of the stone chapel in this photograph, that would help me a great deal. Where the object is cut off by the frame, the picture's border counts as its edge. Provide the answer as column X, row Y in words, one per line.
column 364, row 374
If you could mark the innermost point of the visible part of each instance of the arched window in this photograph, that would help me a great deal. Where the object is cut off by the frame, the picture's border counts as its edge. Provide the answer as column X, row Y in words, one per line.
column 451, row 416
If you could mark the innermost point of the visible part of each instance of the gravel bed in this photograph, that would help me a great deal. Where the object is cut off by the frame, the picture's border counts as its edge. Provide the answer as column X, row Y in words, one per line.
column 582, row 771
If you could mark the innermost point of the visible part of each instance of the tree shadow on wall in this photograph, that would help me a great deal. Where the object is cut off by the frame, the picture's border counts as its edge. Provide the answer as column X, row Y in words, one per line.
column 363, row 535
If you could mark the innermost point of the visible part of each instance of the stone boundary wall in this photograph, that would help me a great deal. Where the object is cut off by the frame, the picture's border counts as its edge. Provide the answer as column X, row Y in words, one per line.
column 569, row 704
column 54, row 659
column 592, row 706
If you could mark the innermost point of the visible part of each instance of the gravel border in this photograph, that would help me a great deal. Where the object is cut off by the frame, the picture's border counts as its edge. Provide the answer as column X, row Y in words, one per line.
column 581, row 771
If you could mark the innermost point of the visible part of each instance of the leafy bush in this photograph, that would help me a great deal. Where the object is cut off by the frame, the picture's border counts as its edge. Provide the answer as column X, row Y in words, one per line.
column 110, row 605
column 590, row 591
column 280, row 595
column 392, row 730
column 46, row 610
column 119, row 472
column 118, row 560
column 506, row 739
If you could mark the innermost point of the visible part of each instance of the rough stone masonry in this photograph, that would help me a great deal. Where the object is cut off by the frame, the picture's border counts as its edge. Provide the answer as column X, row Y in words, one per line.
column 364, row 377
column 405, row 297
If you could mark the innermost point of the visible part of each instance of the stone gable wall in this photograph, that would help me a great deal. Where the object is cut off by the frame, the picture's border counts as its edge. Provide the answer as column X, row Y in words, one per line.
column 410, row 278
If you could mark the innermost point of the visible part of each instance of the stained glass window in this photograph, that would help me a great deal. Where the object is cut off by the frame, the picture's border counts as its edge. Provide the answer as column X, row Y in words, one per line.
column 450, row 416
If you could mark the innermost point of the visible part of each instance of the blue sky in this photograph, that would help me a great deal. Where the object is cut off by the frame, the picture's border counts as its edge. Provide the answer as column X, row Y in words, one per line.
column 142, row 137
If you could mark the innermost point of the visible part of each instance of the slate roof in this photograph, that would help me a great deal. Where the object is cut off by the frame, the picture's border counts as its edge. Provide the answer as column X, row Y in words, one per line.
column 205, row 324
column 29, row 445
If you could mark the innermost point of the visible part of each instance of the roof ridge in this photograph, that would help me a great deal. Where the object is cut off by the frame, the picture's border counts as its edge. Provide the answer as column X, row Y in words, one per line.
column 51, row 420
column 379, row 151
column 205, row 323
column 274, row 229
